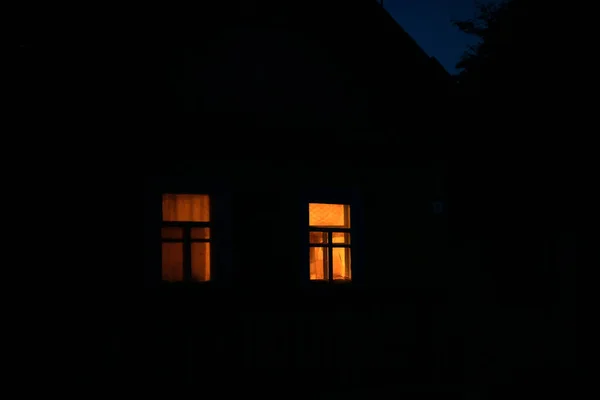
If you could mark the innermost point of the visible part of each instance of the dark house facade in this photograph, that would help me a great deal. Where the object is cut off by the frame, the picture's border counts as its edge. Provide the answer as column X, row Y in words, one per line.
column 309, row 270
column 333, row 271
column 311, row 65
column 297, row 266
column 233, row 201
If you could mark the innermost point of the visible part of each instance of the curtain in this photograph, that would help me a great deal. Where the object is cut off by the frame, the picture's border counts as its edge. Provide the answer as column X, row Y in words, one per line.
column 329, row 215
column 186, row 208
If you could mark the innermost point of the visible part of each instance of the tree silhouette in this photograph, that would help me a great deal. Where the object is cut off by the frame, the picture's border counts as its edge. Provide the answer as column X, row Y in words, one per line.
column 506, row 60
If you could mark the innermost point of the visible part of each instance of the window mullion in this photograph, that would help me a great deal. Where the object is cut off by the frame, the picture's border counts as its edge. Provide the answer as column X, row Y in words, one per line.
column 330, row 255
column 187, row 255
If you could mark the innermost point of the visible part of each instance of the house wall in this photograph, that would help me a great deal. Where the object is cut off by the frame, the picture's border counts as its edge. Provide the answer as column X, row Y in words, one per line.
column 280, row 78
column 262, row 312
column 295, row 65
column 261, row 229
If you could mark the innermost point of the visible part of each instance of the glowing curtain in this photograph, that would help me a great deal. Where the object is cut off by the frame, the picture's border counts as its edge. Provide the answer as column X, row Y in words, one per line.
column 329, row 216
column 185, row 208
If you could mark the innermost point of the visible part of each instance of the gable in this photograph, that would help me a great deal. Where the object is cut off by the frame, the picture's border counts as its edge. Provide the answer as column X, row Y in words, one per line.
column 267, row 71
column 349, row 60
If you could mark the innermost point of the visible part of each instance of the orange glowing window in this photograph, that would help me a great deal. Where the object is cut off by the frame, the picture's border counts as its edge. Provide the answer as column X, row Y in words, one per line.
column 186, row 208
column 329, row 215
column 186, row 237
column 329, row 242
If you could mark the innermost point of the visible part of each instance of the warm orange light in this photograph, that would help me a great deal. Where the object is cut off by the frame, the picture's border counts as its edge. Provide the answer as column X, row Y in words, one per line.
column 325, row 258
column 185, row 208
column 201, row 261
column 319, row 269
column 329, row 215
column 319, row 263
column 172, row 262
column 341, row 263
column 340, row 237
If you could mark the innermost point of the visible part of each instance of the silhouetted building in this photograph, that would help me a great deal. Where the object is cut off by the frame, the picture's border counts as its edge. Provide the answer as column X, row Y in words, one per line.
column 336, row 262
column 341, row 65
column 332, row 262
column 347, row 213
column 297, row 264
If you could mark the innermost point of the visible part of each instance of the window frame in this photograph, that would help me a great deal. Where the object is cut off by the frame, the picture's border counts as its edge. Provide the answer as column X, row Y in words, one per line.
column 329, row 245
column 186, row 240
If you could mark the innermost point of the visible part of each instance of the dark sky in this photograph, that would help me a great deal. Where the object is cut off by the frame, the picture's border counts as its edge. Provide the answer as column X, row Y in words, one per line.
column 428, row 22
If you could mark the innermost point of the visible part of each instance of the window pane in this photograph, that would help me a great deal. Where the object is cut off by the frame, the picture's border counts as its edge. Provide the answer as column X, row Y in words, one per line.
column 340, row 237
column 341, row 263
column 200, row 233
column 185, row 207
column 318, row 237
column 201, row 261
column 172, row 262
column 172, row 233
column 318, row 263
column 329, row 215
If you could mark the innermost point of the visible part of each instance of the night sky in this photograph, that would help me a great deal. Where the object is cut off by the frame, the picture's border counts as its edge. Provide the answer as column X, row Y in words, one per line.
column 428, row 22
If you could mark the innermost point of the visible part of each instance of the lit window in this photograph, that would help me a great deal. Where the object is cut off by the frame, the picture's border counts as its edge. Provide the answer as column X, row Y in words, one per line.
column 329, row 241
column 185, row 237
